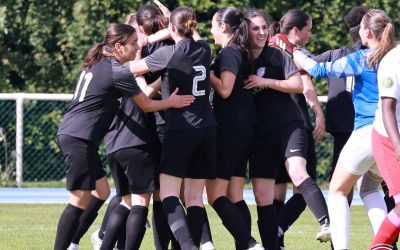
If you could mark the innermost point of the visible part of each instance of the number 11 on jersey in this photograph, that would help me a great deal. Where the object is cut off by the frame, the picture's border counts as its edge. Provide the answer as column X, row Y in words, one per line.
column 83, row 77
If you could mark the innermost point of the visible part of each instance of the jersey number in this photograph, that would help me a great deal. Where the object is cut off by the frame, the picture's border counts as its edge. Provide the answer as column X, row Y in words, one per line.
column 198, row 78
column 84, row 77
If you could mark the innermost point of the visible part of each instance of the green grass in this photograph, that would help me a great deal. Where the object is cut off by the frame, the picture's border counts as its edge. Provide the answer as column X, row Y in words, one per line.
column 33, row 226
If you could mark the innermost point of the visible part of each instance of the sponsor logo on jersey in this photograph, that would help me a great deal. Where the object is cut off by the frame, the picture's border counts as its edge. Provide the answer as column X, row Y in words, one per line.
column 387, row 82
column 261, row 71
column 294, row 150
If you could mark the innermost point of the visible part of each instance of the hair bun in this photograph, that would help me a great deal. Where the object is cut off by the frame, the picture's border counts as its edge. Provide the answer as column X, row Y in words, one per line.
column 191, row 24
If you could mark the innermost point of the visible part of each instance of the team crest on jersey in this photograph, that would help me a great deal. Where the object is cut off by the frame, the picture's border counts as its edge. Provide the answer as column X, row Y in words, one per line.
column 382, row 247
column 261, row 71
column 119, row 100
column 387, row 82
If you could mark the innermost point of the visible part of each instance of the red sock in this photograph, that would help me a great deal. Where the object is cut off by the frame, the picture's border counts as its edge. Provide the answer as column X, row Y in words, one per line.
column 387, row 232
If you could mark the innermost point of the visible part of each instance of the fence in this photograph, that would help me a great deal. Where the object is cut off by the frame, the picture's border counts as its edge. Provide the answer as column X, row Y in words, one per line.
column 28, row 150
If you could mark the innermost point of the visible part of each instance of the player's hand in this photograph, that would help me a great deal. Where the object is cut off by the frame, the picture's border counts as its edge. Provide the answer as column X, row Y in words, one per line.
column 281, row 41
column 166, row 12
column 180, row 101
column 254, row 81
column 319, row 130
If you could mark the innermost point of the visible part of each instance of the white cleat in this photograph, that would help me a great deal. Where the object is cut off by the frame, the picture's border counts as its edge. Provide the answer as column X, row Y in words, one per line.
column 256, row 247
column 96, row 241
column 73, row 246
column 325, row 234
column 208, row 246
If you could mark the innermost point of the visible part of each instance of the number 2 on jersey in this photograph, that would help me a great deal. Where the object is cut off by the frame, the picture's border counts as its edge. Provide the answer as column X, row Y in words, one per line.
column 83, row 77
column 196, row 79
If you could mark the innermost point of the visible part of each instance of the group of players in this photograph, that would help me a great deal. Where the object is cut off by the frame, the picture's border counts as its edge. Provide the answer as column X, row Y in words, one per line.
column 172, row 148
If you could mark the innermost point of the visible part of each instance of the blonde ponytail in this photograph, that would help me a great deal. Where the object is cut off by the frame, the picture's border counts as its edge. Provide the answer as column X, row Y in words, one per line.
column 382, row 28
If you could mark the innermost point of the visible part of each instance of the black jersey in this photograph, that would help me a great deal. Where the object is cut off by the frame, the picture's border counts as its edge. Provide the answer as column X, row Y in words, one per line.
column 130, row 127
column 275, row 109
column 95, row 101
column 240, row 104
column 188, row 68
column 152, row 76
column 301, row 102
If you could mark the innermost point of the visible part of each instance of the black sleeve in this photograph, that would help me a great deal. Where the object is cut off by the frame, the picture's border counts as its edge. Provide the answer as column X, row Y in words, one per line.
column 124, row 80
column 160, row 58
column 231, row 59
column 287, row 65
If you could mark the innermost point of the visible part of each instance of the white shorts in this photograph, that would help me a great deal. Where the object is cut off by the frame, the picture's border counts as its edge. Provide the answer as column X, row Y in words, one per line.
column 356, row 156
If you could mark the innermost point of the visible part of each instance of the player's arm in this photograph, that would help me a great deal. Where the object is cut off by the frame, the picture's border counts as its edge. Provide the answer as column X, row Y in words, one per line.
column 310, row 94
column 149, row 90
column 350, row 65
column 223, row 86
column 159, row 36
column 292, row 84
column 173, row 101
column 390, row 122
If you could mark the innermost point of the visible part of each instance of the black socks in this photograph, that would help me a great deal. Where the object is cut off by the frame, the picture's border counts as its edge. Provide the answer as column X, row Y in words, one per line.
column 315, row 200
column 136, row 227
column 87, row 218
column 67, row 226
column 116, row 224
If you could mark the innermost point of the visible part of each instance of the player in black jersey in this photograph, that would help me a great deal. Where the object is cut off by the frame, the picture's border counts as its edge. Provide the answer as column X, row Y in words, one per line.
column 281, row 136
column 102, row 81
column 235, row 112
column 132, row 129
column 189, row 146
column 297, row 25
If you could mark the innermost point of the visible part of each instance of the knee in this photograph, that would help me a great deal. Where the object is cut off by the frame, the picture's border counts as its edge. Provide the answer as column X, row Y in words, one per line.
column 264, row 197
column 298, row 178
column 367, row 185
column 194, row 199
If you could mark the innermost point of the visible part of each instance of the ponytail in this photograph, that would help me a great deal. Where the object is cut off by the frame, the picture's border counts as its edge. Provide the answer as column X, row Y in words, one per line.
column 385, row 44
column 381, row 26
column 239, row 28
column 116, row 33
column 242, row 39
column 184, row 19
column 94, row 55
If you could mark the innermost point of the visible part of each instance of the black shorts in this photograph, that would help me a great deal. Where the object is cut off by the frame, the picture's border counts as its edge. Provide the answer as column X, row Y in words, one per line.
column 189, row 153
column 311, row 166
column 134, row 169
column 83, row 165
column 235, row 144
column 273, row 149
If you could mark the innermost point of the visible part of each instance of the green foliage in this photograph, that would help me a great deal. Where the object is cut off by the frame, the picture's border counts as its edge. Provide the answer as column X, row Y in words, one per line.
column 42, row 44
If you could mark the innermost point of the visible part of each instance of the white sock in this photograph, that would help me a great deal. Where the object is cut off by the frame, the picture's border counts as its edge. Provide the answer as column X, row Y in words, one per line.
column 376, row 209
column 339, row 215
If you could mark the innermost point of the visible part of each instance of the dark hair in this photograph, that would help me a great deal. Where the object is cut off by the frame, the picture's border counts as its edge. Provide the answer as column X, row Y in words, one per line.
column 252, row 13
column 293, row 18
column 238, row 26
column 353, row 20
column 382, row 28
column 184, row 19
column 116, row 33
column 151, row 19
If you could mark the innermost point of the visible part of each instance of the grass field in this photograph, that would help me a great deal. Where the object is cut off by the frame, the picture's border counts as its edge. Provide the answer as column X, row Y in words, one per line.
column 33, row 226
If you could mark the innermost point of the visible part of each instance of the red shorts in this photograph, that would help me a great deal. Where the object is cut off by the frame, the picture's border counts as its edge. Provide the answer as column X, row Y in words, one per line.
column 385, row 158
